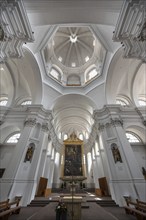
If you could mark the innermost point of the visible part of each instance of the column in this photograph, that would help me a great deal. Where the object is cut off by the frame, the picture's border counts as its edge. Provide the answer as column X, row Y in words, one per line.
column 89, row 169
column 42, row 164
column 9, row 177
column 31, row 186
column 124, row 173
column 27, row 173
column 98, row 169
column 57, row 173
column 51, row 169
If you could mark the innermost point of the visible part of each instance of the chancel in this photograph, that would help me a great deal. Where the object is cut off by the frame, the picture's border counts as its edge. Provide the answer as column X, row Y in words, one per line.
column 73, row 172
column 72, row 108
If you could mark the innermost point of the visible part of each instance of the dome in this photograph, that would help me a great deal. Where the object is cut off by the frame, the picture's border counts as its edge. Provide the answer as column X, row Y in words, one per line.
column 73, row 46
column 72, row 54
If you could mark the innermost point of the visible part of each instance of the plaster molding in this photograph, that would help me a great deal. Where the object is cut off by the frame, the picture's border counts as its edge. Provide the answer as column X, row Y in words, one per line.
column 131, row 29
column 45, row 127
column 30, row 122
column 15, row 29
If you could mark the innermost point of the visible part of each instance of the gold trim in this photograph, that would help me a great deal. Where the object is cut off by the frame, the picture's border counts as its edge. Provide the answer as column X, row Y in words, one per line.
column 73, row 140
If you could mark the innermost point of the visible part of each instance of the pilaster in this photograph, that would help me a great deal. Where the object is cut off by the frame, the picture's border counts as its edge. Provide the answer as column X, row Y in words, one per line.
column 125, row 176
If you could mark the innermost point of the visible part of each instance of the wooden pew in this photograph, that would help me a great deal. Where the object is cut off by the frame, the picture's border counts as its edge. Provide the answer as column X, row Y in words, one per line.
column 137, row 209
column 14, row 204
column 140, row 215
column 141, row 205
column 4, row 215
column 8, row 208
column 4, row 205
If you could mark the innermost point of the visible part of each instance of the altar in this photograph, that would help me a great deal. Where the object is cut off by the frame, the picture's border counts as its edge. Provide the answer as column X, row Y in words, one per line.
column 73, row 173
column 73, row 204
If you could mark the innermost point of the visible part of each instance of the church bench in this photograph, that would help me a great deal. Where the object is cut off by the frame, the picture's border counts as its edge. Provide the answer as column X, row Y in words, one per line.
column 140, row 202
column 141, row 205
column 14, row 204
column 139, row 214
column 4, row 215
column 4, row 205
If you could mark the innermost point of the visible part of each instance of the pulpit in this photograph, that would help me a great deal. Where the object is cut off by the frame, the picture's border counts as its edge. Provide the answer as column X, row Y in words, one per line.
column 73, row 204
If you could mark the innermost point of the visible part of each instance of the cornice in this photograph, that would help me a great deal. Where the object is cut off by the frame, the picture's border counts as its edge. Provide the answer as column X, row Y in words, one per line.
column 116, row 122
column 23, row 113
column 15, row 29
column 30, row 122
column 117, row 110
column 131, row 29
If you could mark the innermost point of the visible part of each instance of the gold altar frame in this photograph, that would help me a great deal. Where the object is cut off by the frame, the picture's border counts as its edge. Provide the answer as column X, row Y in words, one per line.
column 73, row 167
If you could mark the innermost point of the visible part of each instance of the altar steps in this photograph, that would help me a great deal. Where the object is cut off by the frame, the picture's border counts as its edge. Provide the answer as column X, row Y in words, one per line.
column 107, row 203
column 38, row 203
column 103, row 203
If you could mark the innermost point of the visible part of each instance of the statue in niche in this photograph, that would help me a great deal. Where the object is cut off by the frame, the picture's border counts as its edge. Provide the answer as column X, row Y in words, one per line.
column 29, row 153
column 144, row 172
column 116, row 153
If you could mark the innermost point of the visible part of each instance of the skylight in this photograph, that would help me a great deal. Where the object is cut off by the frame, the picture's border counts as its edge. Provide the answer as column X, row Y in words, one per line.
column 60, row 59
column 54, row 73
column 73, row 38
column 73, row 64
column 92, row 74
column 86, row 58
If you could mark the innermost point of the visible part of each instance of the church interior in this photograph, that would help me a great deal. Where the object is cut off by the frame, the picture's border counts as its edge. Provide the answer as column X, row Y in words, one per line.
column 73, row 102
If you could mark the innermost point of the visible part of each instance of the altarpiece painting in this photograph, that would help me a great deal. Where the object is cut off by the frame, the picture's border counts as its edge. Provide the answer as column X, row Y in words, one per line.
column 73, row 159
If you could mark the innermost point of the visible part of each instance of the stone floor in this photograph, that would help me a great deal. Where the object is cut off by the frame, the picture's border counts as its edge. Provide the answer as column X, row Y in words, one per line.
column 94, row 212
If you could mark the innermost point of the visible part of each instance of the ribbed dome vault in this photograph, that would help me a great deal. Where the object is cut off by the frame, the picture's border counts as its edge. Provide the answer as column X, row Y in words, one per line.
column 73, row 46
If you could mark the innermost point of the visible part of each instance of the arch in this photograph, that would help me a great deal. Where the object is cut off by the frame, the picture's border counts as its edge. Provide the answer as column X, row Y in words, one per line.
column 13, row 138
column 132, row 137
column 73, row 112
column 6, row 84
column 26, row 77
column 120, row 77
column 138, row 131
column 139, row 84
column 7, row 131
column 123, row 100
column 73, row 80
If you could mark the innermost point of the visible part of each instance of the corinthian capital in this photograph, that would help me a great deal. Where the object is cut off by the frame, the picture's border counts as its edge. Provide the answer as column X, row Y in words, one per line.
column 101, row 127
column 116, row 122
column 45, row 127
column 30, row 122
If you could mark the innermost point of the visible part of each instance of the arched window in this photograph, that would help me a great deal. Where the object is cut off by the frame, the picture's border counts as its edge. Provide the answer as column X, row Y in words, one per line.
column 65, row 136
column 60, row 135
column 13, row 138
column 142, row 102
column 86, row 135
column 56, row 74
column 3, row 102
column 132, row 138
column 90, row 75
column 27, row 102
column 122, row 102
column 81, row 136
